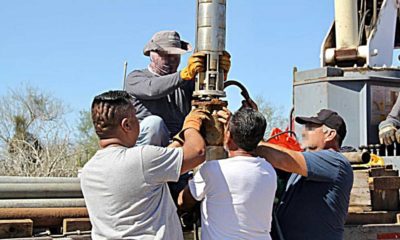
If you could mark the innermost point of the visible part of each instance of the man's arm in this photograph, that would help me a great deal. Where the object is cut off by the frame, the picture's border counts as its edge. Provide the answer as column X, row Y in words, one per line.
column 395, row 112
column 185, row 200
column 147, row 86
column 194, row 150
column 282, row 158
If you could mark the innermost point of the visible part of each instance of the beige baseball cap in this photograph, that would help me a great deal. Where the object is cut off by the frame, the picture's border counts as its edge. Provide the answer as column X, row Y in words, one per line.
column 167, row 41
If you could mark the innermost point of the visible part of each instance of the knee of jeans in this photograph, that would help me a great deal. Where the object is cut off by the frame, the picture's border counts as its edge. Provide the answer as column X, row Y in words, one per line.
column 155, row 125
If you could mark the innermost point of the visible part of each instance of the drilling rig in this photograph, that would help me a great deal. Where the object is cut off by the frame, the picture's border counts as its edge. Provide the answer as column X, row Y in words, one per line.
column 356, row 78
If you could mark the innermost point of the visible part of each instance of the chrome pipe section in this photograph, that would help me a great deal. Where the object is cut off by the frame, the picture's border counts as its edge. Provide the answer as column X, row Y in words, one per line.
column 210, row 38
column 346, row 24
column 40, row 190
column 43, row 203
column 6, row 179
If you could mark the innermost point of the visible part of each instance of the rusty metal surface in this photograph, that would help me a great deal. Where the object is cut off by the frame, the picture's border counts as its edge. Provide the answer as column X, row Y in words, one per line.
column 215, row 153
column 212, row 130
column 43, row 217
column 345, row 54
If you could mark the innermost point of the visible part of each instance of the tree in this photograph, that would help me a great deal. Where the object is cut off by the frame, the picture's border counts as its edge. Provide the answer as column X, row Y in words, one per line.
column 34, row 137
column 87, row 138
column 273, row 115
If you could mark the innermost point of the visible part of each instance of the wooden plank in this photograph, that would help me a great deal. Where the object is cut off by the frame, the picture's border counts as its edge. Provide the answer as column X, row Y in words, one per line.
column 373, row 217
column 380, row 172
column 390, row 166
column 372, row 232
column 384, row 183
column 360, row 193
column 385, row 200
column 14, row 228
column 361, row 178
column 359, row 209
column 74, row 224
column 360, row 197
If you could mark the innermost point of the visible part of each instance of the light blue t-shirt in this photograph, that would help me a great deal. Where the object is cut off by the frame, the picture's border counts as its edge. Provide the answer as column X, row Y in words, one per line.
column 315, row 207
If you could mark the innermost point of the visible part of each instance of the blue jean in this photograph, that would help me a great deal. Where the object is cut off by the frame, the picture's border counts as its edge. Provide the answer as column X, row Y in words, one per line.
column 153, row 131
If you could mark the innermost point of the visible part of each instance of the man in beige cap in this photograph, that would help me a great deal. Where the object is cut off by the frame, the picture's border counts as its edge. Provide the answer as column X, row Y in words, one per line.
column 162, row 95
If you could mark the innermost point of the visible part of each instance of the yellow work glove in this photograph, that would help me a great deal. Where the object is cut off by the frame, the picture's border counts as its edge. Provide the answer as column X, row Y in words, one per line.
column 225, row 63
column 387, row 134
column 195, row 65
column 193, row 120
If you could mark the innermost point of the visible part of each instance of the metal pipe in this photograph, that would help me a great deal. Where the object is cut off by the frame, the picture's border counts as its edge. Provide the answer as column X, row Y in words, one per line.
column 125, row 69
column 346, row 24
column 374, row 12
column 43, row 217
column 37, row 190
column 210, row 39
column 7, row 179
column 42, row 203
column 358, row 157
column 212, row 129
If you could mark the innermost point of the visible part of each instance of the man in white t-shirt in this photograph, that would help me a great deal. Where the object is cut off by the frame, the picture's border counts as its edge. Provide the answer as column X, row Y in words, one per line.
column 125, row 187
column 237, row 193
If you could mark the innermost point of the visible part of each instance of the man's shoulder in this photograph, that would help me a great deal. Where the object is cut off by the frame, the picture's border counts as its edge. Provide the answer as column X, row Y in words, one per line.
column 331, row 158
column 233, row 160
column 140, row 72
column 211, row 164
column 149, row 151
column 326, row 154
column 339, row 156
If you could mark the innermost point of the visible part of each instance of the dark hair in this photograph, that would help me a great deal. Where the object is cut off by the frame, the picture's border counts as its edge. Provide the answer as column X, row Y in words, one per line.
column 247, row 127
column 108, row 110
column 339, row 140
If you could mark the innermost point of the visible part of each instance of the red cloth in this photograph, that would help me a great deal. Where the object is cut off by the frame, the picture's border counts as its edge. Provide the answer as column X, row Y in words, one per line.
column 284, row 140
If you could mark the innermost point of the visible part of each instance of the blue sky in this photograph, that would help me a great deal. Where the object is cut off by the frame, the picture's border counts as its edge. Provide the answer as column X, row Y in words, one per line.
column 76, row 49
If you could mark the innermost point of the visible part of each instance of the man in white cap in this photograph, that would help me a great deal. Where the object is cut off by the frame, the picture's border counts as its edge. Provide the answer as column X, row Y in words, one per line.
column 162, row 95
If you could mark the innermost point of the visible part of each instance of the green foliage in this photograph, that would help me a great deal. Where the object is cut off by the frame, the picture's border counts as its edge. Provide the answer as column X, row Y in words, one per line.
column 87, row 138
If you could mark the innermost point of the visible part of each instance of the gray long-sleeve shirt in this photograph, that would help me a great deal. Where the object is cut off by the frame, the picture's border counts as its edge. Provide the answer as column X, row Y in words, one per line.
column 168, row 97
column 394, row 116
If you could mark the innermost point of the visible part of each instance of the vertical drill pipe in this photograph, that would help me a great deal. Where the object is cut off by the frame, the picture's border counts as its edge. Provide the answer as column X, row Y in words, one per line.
column 212, row 130
column 210, row 39
column 346, row 24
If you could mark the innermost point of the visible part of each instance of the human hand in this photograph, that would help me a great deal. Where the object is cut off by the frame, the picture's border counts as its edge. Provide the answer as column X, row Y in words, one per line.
column 195, row 65
column 388, row 133
column 225, row 63
column 195, row 119
column 398, row 135
column 224, row 115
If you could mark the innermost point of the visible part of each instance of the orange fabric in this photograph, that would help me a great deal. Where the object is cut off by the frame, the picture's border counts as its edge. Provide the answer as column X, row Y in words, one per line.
column 284, row 140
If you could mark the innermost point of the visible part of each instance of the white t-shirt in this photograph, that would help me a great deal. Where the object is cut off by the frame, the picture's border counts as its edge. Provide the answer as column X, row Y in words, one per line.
column 238, row 195
column 126, row 193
